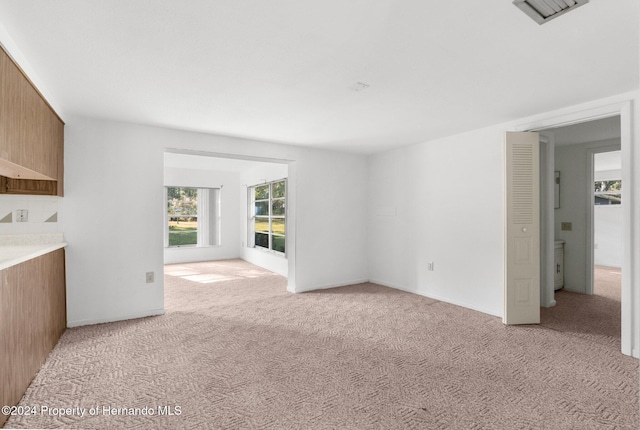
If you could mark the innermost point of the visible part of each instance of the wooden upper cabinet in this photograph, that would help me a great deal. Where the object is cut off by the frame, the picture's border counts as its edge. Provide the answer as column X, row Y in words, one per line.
column 11, row 108
column 31, row 133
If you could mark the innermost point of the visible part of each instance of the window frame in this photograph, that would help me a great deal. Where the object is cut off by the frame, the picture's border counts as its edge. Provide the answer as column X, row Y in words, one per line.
column 614, row 197
column 270, row 217
column 212, row 215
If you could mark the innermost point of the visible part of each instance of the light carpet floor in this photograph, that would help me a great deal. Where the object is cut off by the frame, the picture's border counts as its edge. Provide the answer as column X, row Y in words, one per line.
column 236, row 351
column 597, row 317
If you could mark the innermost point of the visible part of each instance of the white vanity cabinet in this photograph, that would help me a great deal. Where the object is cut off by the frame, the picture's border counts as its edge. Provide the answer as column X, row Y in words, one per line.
column 558, row 267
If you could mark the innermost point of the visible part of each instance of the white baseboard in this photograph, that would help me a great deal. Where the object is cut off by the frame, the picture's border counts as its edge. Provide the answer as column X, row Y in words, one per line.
column 394, row 286
column 435, row 297
column 327, row 286
column 92, row 321
column 399, row 287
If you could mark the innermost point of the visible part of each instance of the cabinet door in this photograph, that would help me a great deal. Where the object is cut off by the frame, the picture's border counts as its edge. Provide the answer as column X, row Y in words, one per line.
column 30, row 131
column 32, row 319
column 59, row 137
column 558, row 274
column 11, row 109
column 37, row 134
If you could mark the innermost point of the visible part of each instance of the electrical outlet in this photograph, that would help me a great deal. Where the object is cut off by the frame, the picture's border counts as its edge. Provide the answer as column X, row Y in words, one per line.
column 22, row 215
column 430, row 266
column 150, row 277
column 566, row 226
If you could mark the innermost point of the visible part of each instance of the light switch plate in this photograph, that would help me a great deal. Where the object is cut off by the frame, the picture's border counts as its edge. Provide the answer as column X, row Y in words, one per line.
column 566, row 226
column 22, row 215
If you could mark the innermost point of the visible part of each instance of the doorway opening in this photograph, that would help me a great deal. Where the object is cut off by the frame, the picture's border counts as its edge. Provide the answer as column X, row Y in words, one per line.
column 607, row 226
column 615, row 107
column 584, row 283
column 228, row 211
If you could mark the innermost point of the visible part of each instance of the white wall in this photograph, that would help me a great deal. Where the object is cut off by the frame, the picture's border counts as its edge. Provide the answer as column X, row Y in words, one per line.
column 229, row 184
column 264, row 172
column 114, row 202
column 607, row 228
column 607, row 225
column 43, row 214
column 331, row 206
column 440, row 201
column 575, row 195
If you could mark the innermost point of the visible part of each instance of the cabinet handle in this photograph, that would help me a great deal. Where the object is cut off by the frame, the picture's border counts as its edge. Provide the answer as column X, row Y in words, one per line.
column 557, row 268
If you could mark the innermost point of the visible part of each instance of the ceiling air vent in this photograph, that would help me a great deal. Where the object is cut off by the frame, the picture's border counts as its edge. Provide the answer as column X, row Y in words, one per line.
column 542, row 11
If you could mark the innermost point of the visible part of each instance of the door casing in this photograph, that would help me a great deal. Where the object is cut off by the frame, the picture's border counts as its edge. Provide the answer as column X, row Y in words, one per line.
column 623, row 106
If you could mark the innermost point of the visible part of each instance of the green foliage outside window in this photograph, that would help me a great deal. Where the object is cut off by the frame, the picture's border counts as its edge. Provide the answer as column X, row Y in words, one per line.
column 608, row 192
column 182, row 211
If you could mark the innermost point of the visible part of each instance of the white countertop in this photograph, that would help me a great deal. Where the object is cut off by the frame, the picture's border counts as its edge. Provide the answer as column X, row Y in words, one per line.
column 16, row 249
column 15, row 254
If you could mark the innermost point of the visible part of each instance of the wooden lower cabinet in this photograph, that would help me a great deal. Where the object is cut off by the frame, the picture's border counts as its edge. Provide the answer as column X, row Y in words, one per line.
column 32, row 319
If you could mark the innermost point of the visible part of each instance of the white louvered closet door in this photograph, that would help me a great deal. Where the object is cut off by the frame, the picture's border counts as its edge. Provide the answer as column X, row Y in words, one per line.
column 522, row 235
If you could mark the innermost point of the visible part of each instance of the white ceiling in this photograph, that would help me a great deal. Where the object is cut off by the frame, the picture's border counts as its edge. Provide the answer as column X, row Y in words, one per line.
column 280, row 70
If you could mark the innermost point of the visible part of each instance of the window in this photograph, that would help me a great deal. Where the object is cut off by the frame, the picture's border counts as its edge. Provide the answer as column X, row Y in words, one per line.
column 267, row 225
column 193, row 217
column 608, row 192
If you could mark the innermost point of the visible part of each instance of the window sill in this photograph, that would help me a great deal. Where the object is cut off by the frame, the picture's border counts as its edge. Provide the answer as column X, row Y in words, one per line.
column 192, row 247
column 269, row 251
